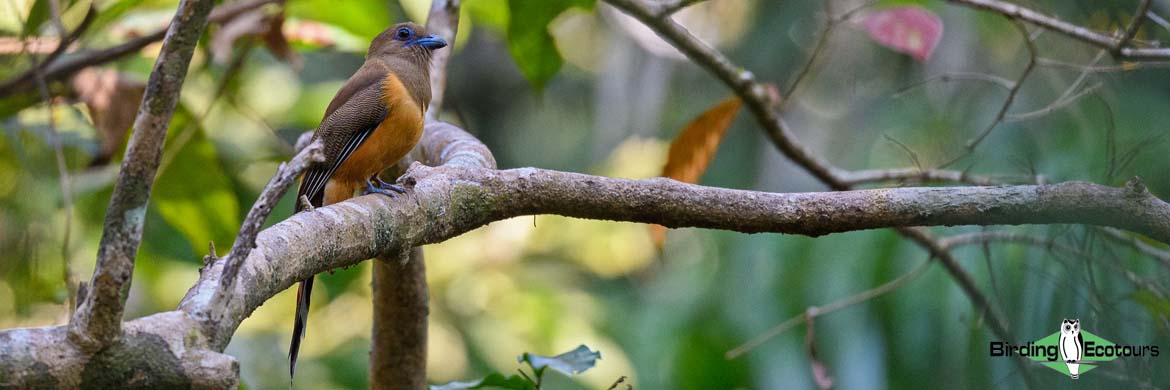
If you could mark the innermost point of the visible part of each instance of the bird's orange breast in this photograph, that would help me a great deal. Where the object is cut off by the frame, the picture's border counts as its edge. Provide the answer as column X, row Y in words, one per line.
column 392, row 140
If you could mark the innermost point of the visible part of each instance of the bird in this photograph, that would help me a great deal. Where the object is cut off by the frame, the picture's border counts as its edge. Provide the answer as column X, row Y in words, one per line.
column 1072, row 345
column 373, row 121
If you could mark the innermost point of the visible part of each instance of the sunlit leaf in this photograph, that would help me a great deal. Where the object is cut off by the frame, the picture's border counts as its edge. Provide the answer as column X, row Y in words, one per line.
column 529, row 41
column 36, row 16
column 695, row 147
column 911, row 30
column 364, row 18
column 573, row 362
column 1157, row 307
column 491, row 13
column 112, row 12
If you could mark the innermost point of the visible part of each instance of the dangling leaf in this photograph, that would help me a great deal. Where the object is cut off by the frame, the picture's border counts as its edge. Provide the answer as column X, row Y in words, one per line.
column 912, row 30
column 693, row 149
column 112, row 99
column 264, row 23
column 569, row 363
column 529, row 41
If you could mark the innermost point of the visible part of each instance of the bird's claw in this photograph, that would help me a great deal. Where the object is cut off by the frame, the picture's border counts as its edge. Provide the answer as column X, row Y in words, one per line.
column 376, row 186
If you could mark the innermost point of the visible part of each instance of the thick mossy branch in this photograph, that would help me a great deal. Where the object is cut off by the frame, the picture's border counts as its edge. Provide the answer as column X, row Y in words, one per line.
column 462, row 192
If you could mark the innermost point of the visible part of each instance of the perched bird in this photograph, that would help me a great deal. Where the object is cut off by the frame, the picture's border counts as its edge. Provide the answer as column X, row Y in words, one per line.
column 372, row 122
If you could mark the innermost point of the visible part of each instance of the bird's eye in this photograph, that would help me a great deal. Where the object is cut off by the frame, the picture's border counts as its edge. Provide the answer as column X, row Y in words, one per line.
column 403, row 34
column 1066, row 327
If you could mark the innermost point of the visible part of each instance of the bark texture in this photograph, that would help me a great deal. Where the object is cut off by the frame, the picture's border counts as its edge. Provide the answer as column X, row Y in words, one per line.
column 461, row 192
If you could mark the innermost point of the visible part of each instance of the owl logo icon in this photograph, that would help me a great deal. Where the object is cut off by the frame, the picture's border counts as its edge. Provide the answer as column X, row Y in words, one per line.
column 1072, row 345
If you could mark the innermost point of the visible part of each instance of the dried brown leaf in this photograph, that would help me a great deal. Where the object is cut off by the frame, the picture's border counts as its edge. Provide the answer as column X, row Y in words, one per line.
column 693, row 149
column 820, row 372
column 112, row 99
column 266, row 24
column 277, row 42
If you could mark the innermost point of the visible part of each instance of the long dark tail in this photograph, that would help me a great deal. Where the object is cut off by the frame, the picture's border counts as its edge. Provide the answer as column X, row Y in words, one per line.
column 303, row 294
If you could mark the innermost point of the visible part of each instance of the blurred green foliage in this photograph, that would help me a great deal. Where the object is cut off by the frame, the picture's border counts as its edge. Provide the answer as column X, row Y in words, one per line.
column 545, row 284
column 529, row 41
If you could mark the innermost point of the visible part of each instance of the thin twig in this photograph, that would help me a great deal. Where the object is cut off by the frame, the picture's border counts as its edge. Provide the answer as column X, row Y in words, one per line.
column 1055, row 105
column 831, row 22
column 22, row 80
column 1050, row 244
column 1067, row 97
column 444, row 21
column 55, row 17
column 1138, row 17
column 1123, row 67
column 828, row 308
column 958, row 76
column 669, row 7
column 1118, row 45
column 814, row 55
column 915, row 175
column 755, row 97
column 195, row 124
column 59, row 70
column 971, row 144
column 1161, row 22
column 1162, row 255
column 615, row 384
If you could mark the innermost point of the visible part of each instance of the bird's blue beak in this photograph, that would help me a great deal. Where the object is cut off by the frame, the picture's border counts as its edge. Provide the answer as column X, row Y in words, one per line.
column 430, row 42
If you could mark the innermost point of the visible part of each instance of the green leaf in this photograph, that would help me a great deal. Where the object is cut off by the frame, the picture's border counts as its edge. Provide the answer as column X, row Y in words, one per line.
column 36, row 16
column 112, row 12
column 495, row 380
column 364, row 18
column 1156, row 306
column 569, row 363
column 491, row 13
column 194, row 194
column 529, row 41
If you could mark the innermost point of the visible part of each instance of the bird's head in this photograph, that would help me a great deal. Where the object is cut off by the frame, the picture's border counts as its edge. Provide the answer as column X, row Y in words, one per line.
column 408, row 40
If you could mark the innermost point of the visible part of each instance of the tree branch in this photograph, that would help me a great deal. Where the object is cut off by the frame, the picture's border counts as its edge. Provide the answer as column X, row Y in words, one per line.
column 97, row 321
column 398, row 348
column 1118, row 45
column 398, row 339
column 669, row 7
column 755, row 96
column 277, row 186
column 38, row 70
column 916, row 175
column 462, row 193
column 65, row 68
column 443, row 21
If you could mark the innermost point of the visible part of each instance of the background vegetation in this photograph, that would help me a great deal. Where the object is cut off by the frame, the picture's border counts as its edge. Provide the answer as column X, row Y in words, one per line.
column 607, row 98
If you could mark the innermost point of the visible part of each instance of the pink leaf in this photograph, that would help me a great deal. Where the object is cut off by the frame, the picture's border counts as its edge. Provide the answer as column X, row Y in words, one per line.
column 911, row 30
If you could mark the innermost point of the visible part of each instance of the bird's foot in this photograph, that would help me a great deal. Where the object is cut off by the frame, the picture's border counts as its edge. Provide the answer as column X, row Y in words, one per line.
column 377, row 186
